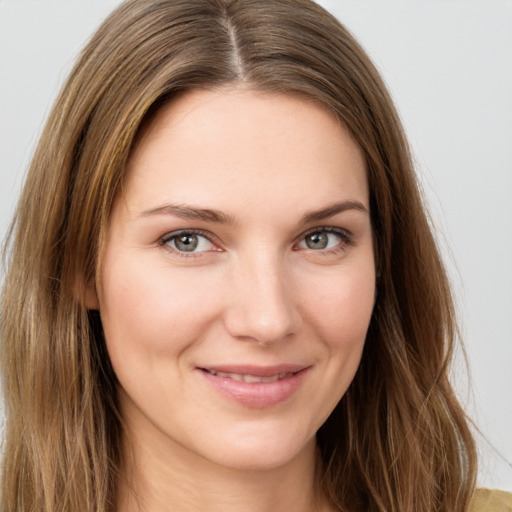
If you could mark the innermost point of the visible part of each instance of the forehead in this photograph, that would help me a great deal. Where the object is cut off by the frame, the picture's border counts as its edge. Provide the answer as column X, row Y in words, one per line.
column 239, row 147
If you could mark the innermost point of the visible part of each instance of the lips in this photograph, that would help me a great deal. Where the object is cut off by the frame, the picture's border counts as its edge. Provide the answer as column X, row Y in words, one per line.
column 256, row 386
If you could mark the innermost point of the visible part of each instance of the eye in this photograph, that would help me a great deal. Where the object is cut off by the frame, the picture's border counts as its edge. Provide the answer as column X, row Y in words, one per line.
column 324, row 239
column 188, row 242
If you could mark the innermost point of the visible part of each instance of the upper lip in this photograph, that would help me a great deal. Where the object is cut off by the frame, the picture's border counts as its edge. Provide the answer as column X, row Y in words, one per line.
column 256, row 371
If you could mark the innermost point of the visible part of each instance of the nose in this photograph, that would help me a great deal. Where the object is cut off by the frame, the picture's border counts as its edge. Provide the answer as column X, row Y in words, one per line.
column 262, row 306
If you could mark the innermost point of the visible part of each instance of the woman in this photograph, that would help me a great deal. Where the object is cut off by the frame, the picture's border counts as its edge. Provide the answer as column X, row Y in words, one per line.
column 223, row 292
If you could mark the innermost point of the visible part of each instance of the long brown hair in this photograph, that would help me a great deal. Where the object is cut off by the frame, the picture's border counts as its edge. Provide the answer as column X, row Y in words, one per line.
column 398, row 440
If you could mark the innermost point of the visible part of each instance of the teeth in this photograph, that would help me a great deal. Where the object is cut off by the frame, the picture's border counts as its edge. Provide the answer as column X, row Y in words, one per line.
column 252, row 378
column 249, row 378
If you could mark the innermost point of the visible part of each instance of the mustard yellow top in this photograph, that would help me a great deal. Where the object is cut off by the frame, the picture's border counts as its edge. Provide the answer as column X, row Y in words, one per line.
column 487, row 500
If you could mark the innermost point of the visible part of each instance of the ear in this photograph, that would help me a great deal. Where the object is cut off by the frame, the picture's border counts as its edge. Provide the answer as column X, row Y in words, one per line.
column 86, row 294
column 90, row 296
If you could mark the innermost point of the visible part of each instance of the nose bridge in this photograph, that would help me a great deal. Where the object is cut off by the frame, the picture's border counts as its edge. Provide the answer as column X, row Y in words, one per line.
column 262, row 305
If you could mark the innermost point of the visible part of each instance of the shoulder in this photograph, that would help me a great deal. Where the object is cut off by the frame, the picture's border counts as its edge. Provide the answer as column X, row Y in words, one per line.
column 487, row 500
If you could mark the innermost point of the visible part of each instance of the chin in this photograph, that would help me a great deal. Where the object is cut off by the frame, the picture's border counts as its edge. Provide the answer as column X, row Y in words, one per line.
column 263, row 451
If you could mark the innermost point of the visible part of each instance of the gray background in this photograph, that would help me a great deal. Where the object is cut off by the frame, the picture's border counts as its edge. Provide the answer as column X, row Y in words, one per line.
column 449, row 66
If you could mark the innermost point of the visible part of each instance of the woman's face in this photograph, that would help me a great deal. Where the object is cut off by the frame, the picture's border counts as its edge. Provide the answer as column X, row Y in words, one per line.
column 237, row 280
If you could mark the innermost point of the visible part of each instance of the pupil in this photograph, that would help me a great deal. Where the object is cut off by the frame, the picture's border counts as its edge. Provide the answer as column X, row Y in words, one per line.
column 317, row 241
column 186, row 242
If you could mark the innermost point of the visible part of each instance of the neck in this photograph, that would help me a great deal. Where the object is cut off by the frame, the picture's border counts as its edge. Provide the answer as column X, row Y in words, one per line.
column 157, row 478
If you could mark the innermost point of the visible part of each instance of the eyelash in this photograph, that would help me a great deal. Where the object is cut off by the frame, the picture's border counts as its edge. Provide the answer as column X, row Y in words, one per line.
column 347, row 240
column 175, row 234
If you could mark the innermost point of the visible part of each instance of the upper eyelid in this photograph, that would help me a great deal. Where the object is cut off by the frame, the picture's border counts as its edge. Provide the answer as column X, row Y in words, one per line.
column 172, row 234
column 329, row 229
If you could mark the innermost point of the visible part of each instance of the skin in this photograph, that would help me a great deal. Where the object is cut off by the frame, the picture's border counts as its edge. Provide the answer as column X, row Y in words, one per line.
column 252, row 292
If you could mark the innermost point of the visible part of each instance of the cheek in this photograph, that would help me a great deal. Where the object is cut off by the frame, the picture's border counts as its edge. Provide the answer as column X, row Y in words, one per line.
column 342, row 305
column 339, row 313
column 153, row 310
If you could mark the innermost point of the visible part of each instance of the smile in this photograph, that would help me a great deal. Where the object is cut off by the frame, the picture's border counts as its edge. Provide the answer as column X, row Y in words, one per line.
column 250, row 378
column 256, row 387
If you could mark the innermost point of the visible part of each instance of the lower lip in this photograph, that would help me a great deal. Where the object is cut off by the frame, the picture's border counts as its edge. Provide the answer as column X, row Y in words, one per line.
column 256, row 394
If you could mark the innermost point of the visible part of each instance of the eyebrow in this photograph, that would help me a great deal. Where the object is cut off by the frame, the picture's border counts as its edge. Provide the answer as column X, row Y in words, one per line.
column 216, row 216
column 332, row 210
column 190, row 212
